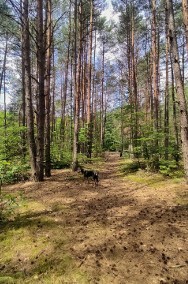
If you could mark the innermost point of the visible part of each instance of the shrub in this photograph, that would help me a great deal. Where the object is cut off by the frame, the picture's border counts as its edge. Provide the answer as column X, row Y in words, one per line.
column 8, row 205
column 60, row 162
column 10, row 172
column 133, row 166
column 170, row 168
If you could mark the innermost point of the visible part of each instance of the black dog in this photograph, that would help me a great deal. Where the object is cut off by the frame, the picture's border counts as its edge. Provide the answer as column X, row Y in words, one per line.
column 89, row 173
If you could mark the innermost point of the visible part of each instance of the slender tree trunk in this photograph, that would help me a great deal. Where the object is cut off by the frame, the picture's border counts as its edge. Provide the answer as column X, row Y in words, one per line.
column 48, row 86
column 76, row 95
column 23, row 133
column 41, row 95
column 71, row 98
column 3, row 86
column 130, row 75
column 4, row 63
column 65, row 86
column 155, row 68
column 28, row 92
column 94, row 101
column 185, row 20
column 179, row 85
column 166, row 115
column 53, row 94
column 175, row 120
column 134, row 81
column 102, row 100
column 4, row 95
column 89, row 113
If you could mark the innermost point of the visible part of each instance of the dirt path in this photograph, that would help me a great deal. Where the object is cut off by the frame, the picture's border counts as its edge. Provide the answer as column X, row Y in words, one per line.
column 121, row 232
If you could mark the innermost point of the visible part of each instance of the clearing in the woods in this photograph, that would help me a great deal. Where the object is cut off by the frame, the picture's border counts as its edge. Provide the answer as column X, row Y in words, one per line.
column 130, row 229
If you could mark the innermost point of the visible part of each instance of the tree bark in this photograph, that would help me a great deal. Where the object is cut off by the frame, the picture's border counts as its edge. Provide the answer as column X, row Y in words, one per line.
column 89, row 113
column 185, row 20
column 41, row 95
column 76, row 95
column 166, row 114
column 28, row 92
column 179, row 85
column 47, row 86
column 155, row 68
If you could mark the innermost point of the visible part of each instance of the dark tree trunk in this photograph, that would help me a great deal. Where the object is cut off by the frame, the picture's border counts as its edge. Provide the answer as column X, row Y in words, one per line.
column 41, row 95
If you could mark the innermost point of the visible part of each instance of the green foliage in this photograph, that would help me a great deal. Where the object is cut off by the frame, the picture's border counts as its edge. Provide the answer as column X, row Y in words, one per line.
column 11, row 140
column 8, row 26
column 12, row 172
column 166, row 167
column 153, row 163
column 62, row 160
column 112, row 132
column 83, row 134
column 137, row 151
column 8, row 204
column 133, row 166
column 171, row 168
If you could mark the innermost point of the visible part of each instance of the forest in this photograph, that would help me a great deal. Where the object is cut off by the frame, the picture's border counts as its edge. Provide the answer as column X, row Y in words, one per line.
column 93, row 141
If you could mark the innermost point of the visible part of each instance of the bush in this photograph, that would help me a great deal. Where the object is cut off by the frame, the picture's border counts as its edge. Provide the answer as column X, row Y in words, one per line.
column 61, row 162
column 153, row 163
column 8, row 205
column 171, row 169
column 10, row 172
column 133, row 166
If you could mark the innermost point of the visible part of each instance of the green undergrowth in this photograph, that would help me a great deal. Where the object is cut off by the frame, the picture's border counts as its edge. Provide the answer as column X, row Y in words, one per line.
column 13, row 171
column 137, row 171
column 33, row 247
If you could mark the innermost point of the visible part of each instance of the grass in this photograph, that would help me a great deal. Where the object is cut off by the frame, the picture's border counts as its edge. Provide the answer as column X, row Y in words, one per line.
column 151, row 179
column 33, row 248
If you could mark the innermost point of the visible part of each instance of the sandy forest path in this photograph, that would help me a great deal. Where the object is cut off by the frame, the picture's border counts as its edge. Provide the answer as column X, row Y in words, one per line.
column 121, row 232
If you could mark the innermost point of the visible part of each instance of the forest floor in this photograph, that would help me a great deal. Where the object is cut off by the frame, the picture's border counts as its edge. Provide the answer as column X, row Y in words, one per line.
column 130, row 229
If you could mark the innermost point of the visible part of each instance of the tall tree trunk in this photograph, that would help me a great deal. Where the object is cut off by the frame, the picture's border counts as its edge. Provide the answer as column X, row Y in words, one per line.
column 185, row 20
column 65, row 86
column 166, row 115
column 175, row 120
column 4, row 63
column 41, row 95
column 4, row 95
column 47, row 86
column 28, row 92
column 179, row 85
column 155, row 69
column 134, row 81
column 76, row 95
column 53, row 94
column 23, row 133
column 102, row 100
column 3, row 86
column 130, row 75
column 89, row 113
